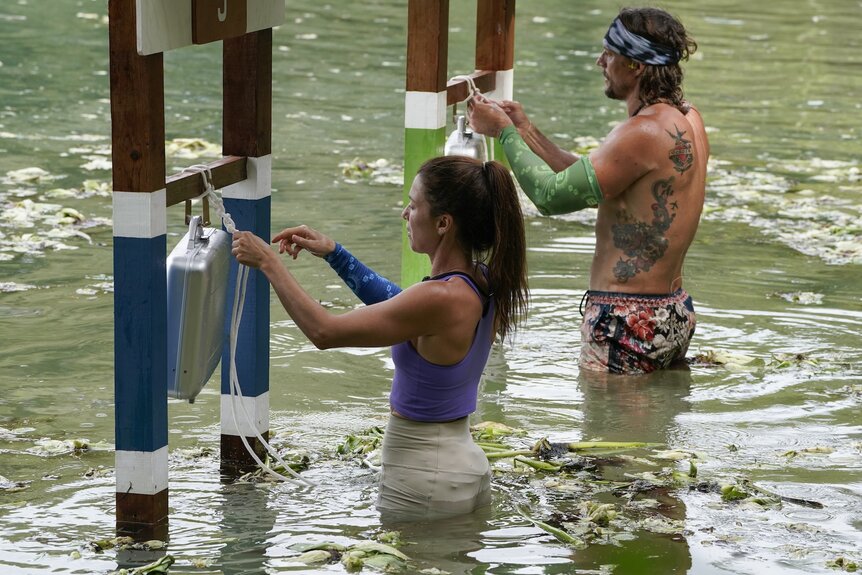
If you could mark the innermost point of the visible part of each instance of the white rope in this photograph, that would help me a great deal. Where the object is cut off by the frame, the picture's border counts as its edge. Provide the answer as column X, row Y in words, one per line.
column 473, row 91
column 236, row 317
column 471, row 85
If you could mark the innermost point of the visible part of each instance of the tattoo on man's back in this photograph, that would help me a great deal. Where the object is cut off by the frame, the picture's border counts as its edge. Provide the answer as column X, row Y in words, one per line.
column 681, row 154
column 644, row 243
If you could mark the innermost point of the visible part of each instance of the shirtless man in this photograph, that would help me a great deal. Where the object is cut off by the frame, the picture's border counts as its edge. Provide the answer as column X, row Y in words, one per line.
column 648, row 181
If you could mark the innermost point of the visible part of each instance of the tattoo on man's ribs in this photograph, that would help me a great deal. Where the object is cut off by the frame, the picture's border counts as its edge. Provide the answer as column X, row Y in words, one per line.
column 644, row 243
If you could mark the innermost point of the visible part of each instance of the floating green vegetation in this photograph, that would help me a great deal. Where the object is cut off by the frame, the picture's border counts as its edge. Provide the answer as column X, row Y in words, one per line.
column 297, row 461
column 801, row 297
column 9, row 486
column 126, row 543
column 843, row 563
column 34, row 226
column 808, row 451
column 31, row 175
column 380, row 171
column 771, row 199
column 785, row 360
column 364, row 447
column 586, row 493
column 375, row 554
column 740, row 361
column 585, row 144
column 191, row 149
column 161, row 565
column 47, row 447
column 490, row 430
column 719, row 357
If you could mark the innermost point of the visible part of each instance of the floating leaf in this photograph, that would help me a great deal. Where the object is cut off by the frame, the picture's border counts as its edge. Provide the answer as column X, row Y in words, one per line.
column 313, row 556
column 375, row 547
column 494, row 429
column 28, row 175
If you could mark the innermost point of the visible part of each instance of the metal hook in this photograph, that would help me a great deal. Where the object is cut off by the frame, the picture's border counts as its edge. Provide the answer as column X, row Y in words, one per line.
column 206, row 211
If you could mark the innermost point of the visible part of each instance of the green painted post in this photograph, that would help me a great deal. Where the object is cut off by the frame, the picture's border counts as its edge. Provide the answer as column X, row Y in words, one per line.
column 424, row 107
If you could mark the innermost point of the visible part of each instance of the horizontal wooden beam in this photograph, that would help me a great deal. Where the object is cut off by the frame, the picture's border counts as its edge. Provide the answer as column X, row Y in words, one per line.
column 458, row 90
column 188, row 185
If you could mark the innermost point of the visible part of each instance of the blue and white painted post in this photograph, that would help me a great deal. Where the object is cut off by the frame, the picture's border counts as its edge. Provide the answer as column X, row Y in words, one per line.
column 247, row 131
column 140, row 31
column 140, row 291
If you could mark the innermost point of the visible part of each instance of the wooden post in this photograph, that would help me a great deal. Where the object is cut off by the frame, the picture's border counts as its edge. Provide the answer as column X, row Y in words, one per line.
column 247, row 131
column 140, row 30
column 495, row 49
column 425, row 106
column 140, row 293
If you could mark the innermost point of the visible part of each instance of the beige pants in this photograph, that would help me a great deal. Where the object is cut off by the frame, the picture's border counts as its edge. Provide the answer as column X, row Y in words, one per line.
column 431, row 470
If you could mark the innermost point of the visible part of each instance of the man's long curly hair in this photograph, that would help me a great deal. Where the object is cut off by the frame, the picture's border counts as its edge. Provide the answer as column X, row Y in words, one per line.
column 660, row 83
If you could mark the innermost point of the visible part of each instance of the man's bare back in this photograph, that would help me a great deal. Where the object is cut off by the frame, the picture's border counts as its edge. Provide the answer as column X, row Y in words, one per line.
column 644, row 231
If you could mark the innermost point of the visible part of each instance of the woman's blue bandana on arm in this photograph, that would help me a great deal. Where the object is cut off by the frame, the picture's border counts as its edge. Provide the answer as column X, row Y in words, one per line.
column 618, row 39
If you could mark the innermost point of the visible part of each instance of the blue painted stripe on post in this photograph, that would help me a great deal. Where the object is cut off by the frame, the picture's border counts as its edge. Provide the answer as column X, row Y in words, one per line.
column 140, row 344
column 252, row 348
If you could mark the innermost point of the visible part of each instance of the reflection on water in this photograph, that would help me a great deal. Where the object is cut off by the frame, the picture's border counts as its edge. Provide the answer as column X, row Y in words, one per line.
column 774, row 274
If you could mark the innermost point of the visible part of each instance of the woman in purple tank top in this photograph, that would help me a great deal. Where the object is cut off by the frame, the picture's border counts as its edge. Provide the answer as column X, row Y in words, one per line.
column 466, row 216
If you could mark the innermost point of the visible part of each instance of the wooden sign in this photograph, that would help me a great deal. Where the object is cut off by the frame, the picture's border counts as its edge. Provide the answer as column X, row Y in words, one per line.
column 214, row 20
column 169, row 24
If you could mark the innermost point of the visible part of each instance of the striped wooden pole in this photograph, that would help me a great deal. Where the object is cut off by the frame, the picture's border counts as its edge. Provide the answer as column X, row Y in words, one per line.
column 247, row 131
column 140, row 31
column 424, row 106
column 140, row 292
column 495, row 50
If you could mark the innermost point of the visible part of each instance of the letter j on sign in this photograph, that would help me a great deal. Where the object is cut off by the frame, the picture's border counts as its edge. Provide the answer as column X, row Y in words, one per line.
column 214, row 20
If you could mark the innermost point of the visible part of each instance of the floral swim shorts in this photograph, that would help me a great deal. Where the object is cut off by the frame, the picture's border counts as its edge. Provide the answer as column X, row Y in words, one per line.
column 630, row 333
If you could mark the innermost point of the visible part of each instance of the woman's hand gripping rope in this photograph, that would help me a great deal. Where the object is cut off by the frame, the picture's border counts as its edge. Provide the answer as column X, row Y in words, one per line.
column 249, row 251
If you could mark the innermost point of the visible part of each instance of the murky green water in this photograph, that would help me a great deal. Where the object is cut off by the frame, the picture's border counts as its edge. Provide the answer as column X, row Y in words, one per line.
column 774, row 273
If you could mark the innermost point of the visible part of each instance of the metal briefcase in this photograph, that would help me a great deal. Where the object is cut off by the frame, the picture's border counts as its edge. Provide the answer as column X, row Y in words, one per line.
column 197, row 270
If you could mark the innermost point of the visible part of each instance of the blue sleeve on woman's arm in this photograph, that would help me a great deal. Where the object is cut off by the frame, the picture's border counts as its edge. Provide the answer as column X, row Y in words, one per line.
column 362, row 280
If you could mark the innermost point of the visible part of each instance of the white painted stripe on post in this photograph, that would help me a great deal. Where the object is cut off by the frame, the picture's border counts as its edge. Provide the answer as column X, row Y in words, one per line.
column 257, row 409
column 425, row 110
column 142, row 472
column 163, row 25
column 257, row 185
column 140, row 214
column 504, row 82
column 264, row 14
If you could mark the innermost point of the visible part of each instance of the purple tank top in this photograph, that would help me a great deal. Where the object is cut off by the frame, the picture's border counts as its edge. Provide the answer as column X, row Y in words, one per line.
column 425, row 391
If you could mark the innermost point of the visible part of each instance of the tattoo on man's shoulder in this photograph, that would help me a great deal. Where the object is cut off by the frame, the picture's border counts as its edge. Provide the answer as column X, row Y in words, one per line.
column 644, row 243
column 681, row 154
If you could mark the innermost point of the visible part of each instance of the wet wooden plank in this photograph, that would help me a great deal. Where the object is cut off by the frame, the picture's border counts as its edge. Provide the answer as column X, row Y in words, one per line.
column 188, row 185
column 458, row 90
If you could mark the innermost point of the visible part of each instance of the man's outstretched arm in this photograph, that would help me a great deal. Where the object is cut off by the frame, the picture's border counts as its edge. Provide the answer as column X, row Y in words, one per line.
column 573, row 188
column 556, row 157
